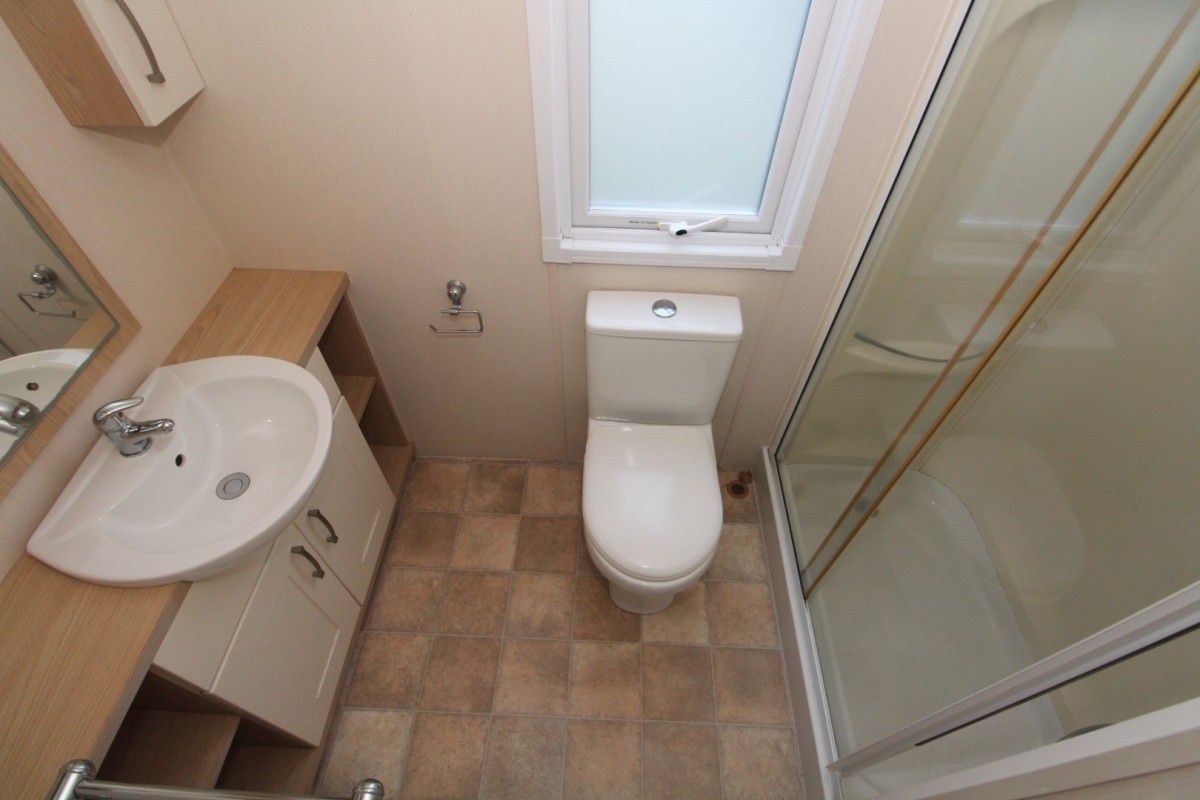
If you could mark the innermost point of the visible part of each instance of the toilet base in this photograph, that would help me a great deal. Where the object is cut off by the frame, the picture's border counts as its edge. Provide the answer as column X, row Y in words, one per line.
column 639, row 603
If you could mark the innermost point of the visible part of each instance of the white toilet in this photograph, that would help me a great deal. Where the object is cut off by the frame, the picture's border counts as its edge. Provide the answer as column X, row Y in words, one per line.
column 656, row 366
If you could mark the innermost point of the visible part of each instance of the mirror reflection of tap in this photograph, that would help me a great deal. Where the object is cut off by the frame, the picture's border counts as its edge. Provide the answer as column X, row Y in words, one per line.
column 131, row 438
column 16, row 415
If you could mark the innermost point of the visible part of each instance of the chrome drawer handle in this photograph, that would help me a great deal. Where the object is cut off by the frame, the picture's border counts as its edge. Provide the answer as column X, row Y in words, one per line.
column 155, row 75
column 300, row 551
column 332, row 538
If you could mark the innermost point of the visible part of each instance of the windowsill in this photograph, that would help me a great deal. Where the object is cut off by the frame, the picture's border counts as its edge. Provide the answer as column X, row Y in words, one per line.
column 642, row 250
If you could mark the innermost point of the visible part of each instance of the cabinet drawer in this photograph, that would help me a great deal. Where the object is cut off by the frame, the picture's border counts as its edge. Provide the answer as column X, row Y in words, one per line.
column 355, row 506
column 286, row 658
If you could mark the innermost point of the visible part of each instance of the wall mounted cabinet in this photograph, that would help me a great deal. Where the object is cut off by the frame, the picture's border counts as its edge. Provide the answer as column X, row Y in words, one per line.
column 106, row 62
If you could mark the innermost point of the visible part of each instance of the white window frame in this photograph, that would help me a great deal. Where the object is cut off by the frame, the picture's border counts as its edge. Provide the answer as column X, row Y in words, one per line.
column 836, row 39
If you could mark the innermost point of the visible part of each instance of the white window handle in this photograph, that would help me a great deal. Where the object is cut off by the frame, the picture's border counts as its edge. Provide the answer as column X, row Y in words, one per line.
column 681, row 227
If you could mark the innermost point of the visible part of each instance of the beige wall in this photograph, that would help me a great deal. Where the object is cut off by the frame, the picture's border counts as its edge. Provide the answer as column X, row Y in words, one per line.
column 126, row 204
column 395, row 141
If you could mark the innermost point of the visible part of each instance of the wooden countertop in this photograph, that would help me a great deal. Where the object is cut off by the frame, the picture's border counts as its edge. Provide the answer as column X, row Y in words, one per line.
column 72, row 654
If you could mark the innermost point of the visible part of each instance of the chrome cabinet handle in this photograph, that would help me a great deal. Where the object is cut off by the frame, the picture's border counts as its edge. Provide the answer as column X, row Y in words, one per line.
column 317, row 571
column 332, row 538
column 155, row 75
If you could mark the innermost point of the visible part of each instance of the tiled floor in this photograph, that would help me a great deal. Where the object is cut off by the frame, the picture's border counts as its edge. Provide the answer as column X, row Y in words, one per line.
column 493, row 663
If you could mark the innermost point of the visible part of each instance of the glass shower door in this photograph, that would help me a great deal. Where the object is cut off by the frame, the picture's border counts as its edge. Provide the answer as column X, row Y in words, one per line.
column 954, row 495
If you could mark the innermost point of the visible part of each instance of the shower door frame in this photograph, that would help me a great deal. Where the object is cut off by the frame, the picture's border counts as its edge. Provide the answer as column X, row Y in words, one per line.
column 1156, row 741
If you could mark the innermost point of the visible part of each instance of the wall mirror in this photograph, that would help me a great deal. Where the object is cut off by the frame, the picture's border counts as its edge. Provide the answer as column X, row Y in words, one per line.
column 61, row 324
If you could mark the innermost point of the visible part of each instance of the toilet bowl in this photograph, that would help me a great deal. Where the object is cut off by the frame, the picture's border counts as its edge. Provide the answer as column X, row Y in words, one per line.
column 652, row 513
column 651, row 508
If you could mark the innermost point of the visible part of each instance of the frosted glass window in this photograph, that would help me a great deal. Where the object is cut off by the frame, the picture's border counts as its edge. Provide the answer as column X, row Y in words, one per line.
column 686, row 99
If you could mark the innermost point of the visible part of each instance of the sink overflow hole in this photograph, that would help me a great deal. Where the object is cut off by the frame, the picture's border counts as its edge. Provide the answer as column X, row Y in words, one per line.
column 179, row 460
column 233, row 485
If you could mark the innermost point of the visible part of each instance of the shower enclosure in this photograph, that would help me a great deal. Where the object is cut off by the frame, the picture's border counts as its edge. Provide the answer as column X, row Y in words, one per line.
column 992, row 476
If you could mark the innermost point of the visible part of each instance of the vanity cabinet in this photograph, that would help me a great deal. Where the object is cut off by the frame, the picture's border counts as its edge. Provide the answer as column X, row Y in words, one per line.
column 74, row 656
column 345, row 521
column 271, row 635
column 285, row 660
column 103, row 66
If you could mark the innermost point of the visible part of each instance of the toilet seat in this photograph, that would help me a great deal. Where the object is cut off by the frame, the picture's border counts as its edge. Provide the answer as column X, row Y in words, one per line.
column 651, row 497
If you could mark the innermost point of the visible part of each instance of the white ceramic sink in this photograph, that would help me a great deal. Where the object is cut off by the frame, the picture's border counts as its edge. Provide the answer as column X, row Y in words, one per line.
column 156, row 518
column 38, row 377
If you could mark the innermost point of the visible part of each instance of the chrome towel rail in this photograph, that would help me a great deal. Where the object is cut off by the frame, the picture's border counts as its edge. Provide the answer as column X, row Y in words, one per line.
column 76, row 781
column 455, row 291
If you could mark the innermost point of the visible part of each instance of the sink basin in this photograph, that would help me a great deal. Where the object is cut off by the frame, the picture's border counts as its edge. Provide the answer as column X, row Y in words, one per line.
column 38, row 377
column 157, row 518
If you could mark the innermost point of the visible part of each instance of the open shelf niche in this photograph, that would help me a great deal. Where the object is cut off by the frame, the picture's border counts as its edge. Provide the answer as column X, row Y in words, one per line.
column 349, row 358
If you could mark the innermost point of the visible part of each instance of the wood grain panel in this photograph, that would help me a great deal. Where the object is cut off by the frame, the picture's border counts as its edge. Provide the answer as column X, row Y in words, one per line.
column 346, row 350
column 263, row 312
column 71, row 657
column 258, row 768
column 357, row 391
column 59, row 44
column 394, row 462
column 171, row 748
column 92, row 332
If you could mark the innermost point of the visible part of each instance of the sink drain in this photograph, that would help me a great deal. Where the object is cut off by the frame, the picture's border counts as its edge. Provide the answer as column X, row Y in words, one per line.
column 233, row 485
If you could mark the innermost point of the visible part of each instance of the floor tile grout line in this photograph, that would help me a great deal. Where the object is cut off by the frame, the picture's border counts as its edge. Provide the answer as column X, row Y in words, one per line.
column 642, row 758
column 573, row 717
column 571, row 656
column 504, row 637
column 566, row 728
column 712, row 659
column 517, row 637
column 487, row 757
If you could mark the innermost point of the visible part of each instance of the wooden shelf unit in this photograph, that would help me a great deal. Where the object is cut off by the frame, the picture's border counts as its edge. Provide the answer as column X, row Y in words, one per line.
column 354, row 369
column 395, row 462
column 357, row 391
column 170, row 748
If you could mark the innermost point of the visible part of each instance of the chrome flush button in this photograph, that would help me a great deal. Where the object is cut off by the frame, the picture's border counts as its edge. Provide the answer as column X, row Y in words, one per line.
column 663, row 308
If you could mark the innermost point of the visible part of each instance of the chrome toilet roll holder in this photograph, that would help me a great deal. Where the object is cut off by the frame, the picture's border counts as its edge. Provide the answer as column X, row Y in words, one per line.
column 455, row 290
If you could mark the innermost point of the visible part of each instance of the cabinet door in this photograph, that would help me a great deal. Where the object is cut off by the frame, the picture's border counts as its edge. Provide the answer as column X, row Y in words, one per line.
column 199, row 636
column 118, row 39
column 355, row 500
column 286, row 658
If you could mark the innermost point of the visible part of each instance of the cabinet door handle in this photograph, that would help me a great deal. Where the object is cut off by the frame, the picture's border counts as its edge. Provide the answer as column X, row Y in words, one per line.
column 300, row 551
column 155, row 75
column 332, row 538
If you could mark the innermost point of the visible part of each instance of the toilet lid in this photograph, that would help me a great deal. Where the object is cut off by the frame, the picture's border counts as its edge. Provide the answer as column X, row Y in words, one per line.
column 651, row 497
